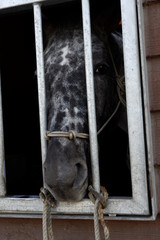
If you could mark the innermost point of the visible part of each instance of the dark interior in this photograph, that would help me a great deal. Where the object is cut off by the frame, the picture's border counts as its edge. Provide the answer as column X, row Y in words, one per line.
column 21, row 117
column 20, row 104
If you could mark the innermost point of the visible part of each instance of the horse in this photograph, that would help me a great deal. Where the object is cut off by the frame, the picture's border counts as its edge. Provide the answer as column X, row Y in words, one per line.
column 67, row 168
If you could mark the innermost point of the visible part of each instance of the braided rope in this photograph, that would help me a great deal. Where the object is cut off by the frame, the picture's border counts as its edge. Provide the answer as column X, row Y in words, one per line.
column 100, row 202
column 48, row 202
column 44, row 221
column 96, row 220
column 105, row 228
column 50, row 229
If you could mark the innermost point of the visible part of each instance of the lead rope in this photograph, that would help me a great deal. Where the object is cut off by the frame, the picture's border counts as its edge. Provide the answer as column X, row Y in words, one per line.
column 48, row 203
column 100, row 202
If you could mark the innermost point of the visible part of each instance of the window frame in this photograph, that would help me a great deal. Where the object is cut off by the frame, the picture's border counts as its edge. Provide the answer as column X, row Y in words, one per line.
column 140, row 206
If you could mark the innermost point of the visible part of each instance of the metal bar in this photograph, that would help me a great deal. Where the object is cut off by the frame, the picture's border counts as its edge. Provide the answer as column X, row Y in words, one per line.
column 90, row 94
column 4, row 4
column 16, row 3
column 134, row 103
column 40, row 77
column 2, row 155
column 147, row 108
column 122, row 208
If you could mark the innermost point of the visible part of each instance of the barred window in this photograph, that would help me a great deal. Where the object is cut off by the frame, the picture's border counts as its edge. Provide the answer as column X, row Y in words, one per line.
column 23, row 116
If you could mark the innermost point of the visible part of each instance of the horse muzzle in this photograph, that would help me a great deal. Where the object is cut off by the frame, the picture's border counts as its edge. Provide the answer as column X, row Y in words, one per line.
column 65, row 170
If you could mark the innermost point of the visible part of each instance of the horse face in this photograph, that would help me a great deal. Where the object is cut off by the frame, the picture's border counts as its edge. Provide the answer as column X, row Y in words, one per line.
column 65, row 168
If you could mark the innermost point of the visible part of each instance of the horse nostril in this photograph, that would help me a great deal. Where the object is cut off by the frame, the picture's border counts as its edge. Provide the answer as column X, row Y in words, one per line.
column 80, row 176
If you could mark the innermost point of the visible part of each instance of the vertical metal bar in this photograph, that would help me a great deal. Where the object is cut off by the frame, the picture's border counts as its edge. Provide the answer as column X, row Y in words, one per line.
column 134, row 102
column 146, row 106
column 2, row 157
column 90, row 94
column 40, row 77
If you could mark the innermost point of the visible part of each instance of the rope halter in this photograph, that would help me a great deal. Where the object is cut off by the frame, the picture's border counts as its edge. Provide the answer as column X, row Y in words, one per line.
column 72, row 135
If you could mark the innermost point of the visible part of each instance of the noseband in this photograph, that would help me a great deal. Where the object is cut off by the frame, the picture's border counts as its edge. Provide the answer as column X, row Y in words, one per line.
column 73, row 135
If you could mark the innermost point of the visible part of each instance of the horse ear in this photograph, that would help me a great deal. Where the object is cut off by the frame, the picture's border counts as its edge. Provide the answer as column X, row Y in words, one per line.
column 106, row 14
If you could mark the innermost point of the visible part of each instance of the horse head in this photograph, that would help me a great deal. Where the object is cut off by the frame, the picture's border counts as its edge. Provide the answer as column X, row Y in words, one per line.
column 66, row 164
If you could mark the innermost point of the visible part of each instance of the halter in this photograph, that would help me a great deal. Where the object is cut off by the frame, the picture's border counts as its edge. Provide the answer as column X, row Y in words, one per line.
column 73, row 135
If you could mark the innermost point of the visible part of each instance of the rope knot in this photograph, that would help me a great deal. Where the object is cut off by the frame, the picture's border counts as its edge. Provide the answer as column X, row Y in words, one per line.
column 100, row 201
column 72, row 135
column 102, row 197
column 45, row 196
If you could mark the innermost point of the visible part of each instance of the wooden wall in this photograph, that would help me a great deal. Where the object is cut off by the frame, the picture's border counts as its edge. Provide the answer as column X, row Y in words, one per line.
column 31, row 229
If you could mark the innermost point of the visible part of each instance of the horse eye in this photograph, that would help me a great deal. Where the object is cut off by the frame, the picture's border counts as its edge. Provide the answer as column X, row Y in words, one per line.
column 101, row 69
